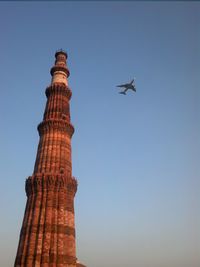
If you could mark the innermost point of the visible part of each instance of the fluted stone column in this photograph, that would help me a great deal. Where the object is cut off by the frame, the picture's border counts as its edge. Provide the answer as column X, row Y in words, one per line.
column 47, row 237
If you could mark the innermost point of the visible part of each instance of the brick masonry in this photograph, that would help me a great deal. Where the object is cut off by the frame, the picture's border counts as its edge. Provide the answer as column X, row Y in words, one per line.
column 47, row 237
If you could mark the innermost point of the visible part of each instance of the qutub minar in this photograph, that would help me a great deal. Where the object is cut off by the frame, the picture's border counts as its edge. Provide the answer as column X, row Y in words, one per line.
column 47, row 237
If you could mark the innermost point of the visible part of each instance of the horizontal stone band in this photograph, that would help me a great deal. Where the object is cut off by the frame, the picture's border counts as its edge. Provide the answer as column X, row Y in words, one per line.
column 48, row 228
column 66, row 206
column 60, row 68
column 51, row 182
column 58, row 125
column 52, row 258
column 58, row 88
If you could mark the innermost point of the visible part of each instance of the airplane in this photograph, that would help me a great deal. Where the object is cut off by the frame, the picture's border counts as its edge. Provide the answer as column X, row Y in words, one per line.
column 127, row 86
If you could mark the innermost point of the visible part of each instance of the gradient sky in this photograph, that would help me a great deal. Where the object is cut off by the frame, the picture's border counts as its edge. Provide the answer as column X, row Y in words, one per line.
column 136, row 157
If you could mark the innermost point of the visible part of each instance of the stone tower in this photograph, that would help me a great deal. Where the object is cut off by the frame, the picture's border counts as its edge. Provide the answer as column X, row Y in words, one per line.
column 47, row 237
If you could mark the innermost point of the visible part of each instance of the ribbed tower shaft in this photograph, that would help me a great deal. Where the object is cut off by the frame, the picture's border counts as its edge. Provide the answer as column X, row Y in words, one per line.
column 47, row 237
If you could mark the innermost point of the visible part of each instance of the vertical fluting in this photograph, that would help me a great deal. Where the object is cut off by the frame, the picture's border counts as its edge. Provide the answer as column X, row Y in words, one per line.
column 56, row 116
column 47, row 236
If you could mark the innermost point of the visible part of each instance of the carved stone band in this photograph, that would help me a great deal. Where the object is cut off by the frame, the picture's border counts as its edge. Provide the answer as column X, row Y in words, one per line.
column 55, row 124
column 52, row 258
column 59, row 68
column 56, row 183
column 49, row 228
column 58, row 88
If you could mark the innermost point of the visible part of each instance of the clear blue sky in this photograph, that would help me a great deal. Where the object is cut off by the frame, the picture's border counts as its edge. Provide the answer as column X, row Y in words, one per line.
column 136, row 157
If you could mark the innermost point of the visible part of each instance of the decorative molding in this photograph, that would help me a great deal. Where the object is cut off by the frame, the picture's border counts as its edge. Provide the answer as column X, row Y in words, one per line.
column 55, row 124
column 59, row 68
column 39, row 183
column 59, row 88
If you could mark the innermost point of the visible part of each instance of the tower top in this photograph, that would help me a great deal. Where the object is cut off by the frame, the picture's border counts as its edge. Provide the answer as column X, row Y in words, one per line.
column 59, row 71
column 60, row 51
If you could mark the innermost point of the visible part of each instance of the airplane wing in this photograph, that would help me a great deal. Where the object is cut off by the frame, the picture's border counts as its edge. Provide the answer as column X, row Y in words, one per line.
column 123, row 85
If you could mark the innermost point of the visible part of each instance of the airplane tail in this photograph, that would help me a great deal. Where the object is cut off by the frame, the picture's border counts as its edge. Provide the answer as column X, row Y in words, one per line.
column 123, row 93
